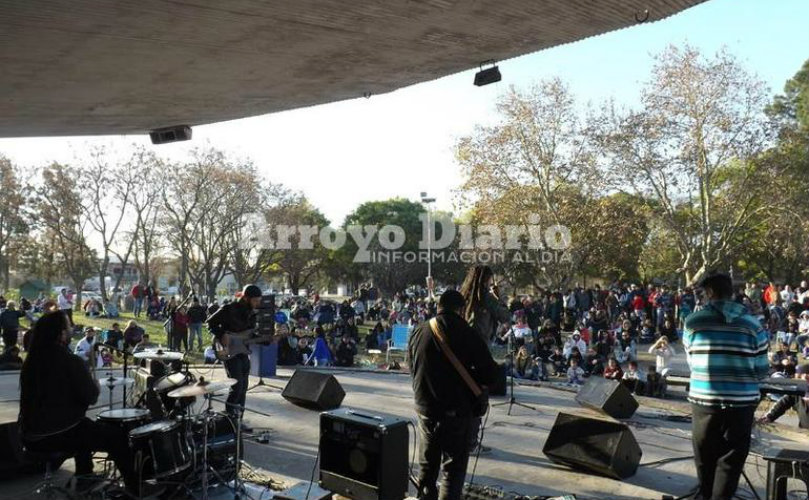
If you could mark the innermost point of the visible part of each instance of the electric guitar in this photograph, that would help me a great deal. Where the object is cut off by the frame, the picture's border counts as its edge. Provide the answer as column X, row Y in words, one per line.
column 234, row 343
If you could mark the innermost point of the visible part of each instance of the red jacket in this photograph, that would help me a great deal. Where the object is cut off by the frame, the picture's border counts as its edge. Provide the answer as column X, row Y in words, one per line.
column 137, row 292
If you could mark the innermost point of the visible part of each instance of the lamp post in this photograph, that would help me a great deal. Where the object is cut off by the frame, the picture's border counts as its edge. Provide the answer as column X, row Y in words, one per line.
column 427, row 200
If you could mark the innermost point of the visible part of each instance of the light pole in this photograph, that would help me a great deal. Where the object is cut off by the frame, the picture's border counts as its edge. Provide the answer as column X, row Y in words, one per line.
column 427, row 200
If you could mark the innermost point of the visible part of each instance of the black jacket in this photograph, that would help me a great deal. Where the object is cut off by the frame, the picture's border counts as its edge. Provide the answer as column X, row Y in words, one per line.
column 197, row 314
column 10, row 320
column 787, row 402
column 437, row 385
column 233, row 317
column 56, row 389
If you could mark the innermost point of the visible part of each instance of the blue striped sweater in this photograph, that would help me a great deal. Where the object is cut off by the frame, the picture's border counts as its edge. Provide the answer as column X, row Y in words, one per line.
column 727, row 353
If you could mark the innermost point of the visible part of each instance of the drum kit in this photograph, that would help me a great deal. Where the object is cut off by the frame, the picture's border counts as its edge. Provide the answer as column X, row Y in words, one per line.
column 172, row 445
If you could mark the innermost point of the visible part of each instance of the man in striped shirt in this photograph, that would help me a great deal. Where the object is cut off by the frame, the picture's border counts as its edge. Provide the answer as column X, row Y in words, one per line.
column 727, row 353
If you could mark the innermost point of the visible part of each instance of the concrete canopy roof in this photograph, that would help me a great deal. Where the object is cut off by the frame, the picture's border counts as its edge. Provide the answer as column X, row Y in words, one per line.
column 78, row 67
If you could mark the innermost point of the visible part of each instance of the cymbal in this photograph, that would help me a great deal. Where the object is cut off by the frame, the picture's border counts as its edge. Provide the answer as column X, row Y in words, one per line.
column 202, row 387
column 116, row 381
column 159, row 354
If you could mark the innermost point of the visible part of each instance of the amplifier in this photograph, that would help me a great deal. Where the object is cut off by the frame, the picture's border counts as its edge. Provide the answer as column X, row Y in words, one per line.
column 363, row 456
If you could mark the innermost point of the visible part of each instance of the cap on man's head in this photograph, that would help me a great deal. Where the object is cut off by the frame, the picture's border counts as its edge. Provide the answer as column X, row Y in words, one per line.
column 451, row 299
column 251, row 291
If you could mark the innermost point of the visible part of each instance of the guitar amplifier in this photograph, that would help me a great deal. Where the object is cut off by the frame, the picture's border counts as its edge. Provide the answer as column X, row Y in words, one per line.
column 363, row 456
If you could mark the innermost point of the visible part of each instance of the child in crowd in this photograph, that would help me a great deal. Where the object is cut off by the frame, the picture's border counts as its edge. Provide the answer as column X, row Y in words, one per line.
column 557, row 361
column 575, row 375
column 634, row 379
column 613, row 370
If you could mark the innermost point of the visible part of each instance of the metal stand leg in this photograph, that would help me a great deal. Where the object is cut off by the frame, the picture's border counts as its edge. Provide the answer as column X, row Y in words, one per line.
column 512, row 400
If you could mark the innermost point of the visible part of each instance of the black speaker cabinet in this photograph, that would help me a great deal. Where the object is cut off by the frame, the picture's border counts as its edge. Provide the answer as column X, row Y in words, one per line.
column 599, row 446
column 607, row 396
column 314, row 390
column 363, row 456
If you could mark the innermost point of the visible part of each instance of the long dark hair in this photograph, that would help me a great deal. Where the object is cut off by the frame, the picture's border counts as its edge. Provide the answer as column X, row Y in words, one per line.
column 474, row 288
column 47, row 331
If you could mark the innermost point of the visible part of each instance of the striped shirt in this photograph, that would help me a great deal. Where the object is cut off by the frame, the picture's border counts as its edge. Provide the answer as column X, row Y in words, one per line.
column 726, row 349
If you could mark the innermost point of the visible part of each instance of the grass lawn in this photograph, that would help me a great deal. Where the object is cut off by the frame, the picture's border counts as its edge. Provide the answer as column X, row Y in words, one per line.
column 154, row 328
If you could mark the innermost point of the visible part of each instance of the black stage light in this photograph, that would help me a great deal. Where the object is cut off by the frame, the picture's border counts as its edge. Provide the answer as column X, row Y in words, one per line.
column 488, row 75
column 170, row 134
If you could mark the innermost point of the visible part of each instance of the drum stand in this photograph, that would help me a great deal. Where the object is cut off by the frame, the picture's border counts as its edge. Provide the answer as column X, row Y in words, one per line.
column 237, row 488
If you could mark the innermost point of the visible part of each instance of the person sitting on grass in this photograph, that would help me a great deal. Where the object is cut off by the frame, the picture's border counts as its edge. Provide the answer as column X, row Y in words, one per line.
column 593, row 363
column 524, row 365
column 575, row 375
column 346, row 351
column 558, row 362
column 613, row 370
column 133, row 334
column 647, row 333
column 115, row 337
column 634, row 379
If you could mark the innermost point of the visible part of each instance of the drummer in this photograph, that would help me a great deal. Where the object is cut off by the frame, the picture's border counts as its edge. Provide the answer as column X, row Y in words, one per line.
column 56, row 389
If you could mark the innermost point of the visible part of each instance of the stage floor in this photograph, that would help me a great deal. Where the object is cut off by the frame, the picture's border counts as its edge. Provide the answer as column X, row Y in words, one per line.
column 515, row 462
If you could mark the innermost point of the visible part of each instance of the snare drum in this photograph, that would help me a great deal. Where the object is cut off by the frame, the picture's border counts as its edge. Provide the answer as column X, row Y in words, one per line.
column 125, row 418
column 161, row 449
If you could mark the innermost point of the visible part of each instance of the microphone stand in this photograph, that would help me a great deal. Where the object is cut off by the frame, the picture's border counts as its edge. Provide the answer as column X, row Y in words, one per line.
column 512, row 400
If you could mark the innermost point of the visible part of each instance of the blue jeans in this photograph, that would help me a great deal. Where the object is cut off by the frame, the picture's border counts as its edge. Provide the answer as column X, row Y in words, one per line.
column 138, row 306
column 194, row 331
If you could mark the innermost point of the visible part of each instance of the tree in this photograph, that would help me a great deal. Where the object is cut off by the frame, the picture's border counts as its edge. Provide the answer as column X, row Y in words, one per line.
column 251, row 258
column 183, row 195
column 106, row 193
column 392, row 274
column 59, row 213
column 229, row 194
column 538, row 161
column 689, row 151
column 298, row 265
column 13, row 203
column 146, row 207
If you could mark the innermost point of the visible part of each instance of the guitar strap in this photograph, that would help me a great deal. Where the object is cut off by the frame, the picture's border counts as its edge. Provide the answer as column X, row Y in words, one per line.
column 447, row 350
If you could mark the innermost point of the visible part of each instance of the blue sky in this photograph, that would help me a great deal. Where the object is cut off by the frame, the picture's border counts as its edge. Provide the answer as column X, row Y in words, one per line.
column 400, row 143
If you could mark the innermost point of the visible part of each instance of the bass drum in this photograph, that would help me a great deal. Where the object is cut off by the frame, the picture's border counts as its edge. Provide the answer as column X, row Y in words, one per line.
column 161, row 450
column 221, row 445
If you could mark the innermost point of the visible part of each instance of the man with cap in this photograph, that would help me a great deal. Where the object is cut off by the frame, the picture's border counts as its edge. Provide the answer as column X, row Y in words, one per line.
column 799, row 403
column 444, row 401
column 236, row 317
column 726, row 350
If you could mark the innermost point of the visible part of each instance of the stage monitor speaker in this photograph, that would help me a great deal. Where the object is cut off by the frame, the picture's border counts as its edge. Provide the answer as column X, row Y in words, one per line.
column 500, row 388
column 599, row 446
column 363, row 456
column 314, row 390
column 13, row 459
column 607, row 396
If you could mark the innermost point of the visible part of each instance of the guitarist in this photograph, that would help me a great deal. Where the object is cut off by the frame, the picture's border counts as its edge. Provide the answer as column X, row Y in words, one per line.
column 235, row 317
column 445, row 402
